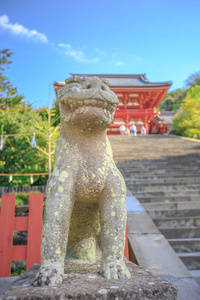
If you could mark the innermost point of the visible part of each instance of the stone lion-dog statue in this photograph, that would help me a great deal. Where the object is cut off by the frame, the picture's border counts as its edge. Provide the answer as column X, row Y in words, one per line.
column 85, row 185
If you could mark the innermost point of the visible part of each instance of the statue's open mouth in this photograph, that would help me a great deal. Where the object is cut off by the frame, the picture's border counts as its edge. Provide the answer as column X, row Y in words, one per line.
column 74, row 104
column 73, row 109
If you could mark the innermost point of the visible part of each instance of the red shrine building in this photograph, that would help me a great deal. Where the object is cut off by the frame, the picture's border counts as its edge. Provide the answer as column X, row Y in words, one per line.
column 138, row 101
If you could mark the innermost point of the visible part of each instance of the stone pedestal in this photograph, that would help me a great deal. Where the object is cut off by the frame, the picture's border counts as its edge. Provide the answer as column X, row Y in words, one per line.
column 143, row 285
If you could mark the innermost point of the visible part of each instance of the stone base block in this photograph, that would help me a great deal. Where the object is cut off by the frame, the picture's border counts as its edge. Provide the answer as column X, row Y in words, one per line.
column 142, row 286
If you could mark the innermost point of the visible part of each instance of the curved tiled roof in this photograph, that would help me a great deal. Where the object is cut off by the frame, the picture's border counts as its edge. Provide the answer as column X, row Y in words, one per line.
column 127, row 79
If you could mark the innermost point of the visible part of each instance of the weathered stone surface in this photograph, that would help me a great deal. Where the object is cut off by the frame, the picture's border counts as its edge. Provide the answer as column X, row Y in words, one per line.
column 186, row 287
column 5, row 282
column 85, row 208
column 143, row 285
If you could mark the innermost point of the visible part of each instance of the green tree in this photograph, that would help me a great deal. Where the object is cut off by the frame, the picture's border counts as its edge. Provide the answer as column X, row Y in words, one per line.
column 49, row 130
column 187, row 122
column 55, row 112
column 17, row 155
column 173, row 100
column 8, row 94
column 193, row 79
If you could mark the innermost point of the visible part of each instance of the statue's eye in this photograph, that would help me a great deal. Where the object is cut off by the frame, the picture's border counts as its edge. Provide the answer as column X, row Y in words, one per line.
column 88, row 86
column 103, row 88
column 106, row 82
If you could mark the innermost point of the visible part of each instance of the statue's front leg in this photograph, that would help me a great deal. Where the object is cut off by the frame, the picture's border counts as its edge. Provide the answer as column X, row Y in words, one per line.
column 113, row 217
column 57, row 214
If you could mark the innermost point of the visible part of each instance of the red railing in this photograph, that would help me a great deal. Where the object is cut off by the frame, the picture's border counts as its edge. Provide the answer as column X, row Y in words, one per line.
column 33, row 224
column 9, row 223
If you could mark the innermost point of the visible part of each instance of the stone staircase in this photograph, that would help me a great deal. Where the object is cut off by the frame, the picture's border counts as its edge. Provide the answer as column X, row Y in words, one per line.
column 163, row 173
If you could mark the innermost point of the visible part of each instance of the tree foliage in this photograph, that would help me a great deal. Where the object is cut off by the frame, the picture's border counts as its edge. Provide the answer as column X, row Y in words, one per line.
column 8, row 94
column 193, row 79
column 17, row 155
column 187, row 122
column 173, row 100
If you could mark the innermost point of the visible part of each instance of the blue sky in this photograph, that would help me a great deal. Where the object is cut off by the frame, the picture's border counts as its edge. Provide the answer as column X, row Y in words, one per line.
column 51, row 39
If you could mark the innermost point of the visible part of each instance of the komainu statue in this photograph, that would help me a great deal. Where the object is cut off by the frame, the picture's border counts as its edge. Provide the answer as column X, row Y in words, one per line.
column 85, row 206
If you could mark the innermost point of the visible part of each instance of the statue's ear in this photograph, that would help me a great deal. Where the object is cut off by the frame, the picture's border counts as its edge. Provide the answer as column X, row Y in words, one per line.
column 106, row 82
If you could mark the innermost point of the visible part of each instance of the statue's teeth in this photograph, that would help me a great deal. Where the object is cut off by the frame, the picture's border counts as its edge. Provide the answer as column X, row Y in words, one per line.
column 76, row 104
column 93, row 102
column 105, row 104
column 100, row 103
column 87, row 102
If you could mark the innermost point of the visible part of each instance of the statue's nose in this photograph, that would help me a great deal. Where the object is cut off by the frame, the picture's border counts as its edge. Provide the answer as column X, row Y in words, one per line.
column 97, row 84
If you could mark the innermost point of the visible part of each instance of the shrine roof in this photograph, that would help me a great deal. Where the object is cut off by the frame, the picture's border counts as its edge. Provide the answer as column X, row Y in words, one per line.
column 163, row 118
column 127, row 79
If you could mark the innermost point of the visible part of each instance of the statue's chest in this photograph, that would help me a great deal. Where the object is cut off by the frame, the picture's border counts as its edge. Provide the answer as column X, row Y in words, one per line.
column 91, row 177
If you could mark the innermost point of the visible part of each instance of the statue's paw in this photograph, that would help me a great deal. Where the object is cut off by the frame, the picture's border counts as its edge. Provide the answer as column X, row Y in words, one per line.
column 115, row 269
column 49, row 275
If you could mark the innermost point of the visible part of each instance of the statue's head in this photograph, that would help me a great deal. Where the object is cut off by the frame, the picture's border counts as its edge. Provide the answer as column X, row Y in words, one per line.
column 87, row 102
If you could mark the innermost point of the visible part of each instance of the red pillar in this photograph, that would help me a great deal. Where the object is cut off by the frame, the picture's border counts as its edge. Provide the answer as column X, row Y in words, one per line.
column 6, row 233
column 34, row 229
column 147, row 128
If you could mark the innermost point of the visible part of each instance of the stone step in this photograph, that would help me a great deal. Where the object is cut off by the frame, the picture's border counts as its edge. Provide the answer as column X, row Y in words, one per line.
column 162, row 154
column 164, row 175
column 170, row 151
column 146, row 180
column 196, row 275
column 162, row 180
column 164, row 210
column 155, row 176
column 162, row 163
column 191, row 260
column 172, row 193
column 125, row 156
column 168, row 199
column 163, row 188
column 177, row 222
column 156, row 169
column 185, row 245
column 128, row 157
column 180, row 232
column 160, row 173
column 153, row 181
column 169, row 185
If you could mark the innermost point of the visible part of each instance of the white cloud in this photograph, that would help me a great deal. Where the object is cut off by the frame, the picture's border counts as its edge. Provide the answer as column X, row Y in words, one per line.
column 99, row 51
column 76, row 54
column 119, row 63
column 18, row 29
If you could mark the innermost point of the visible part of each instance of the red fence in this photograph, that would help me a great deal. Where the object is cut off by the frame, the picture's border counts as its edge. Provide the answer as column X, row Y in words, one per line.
column 33, row 224
column 9, row 223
